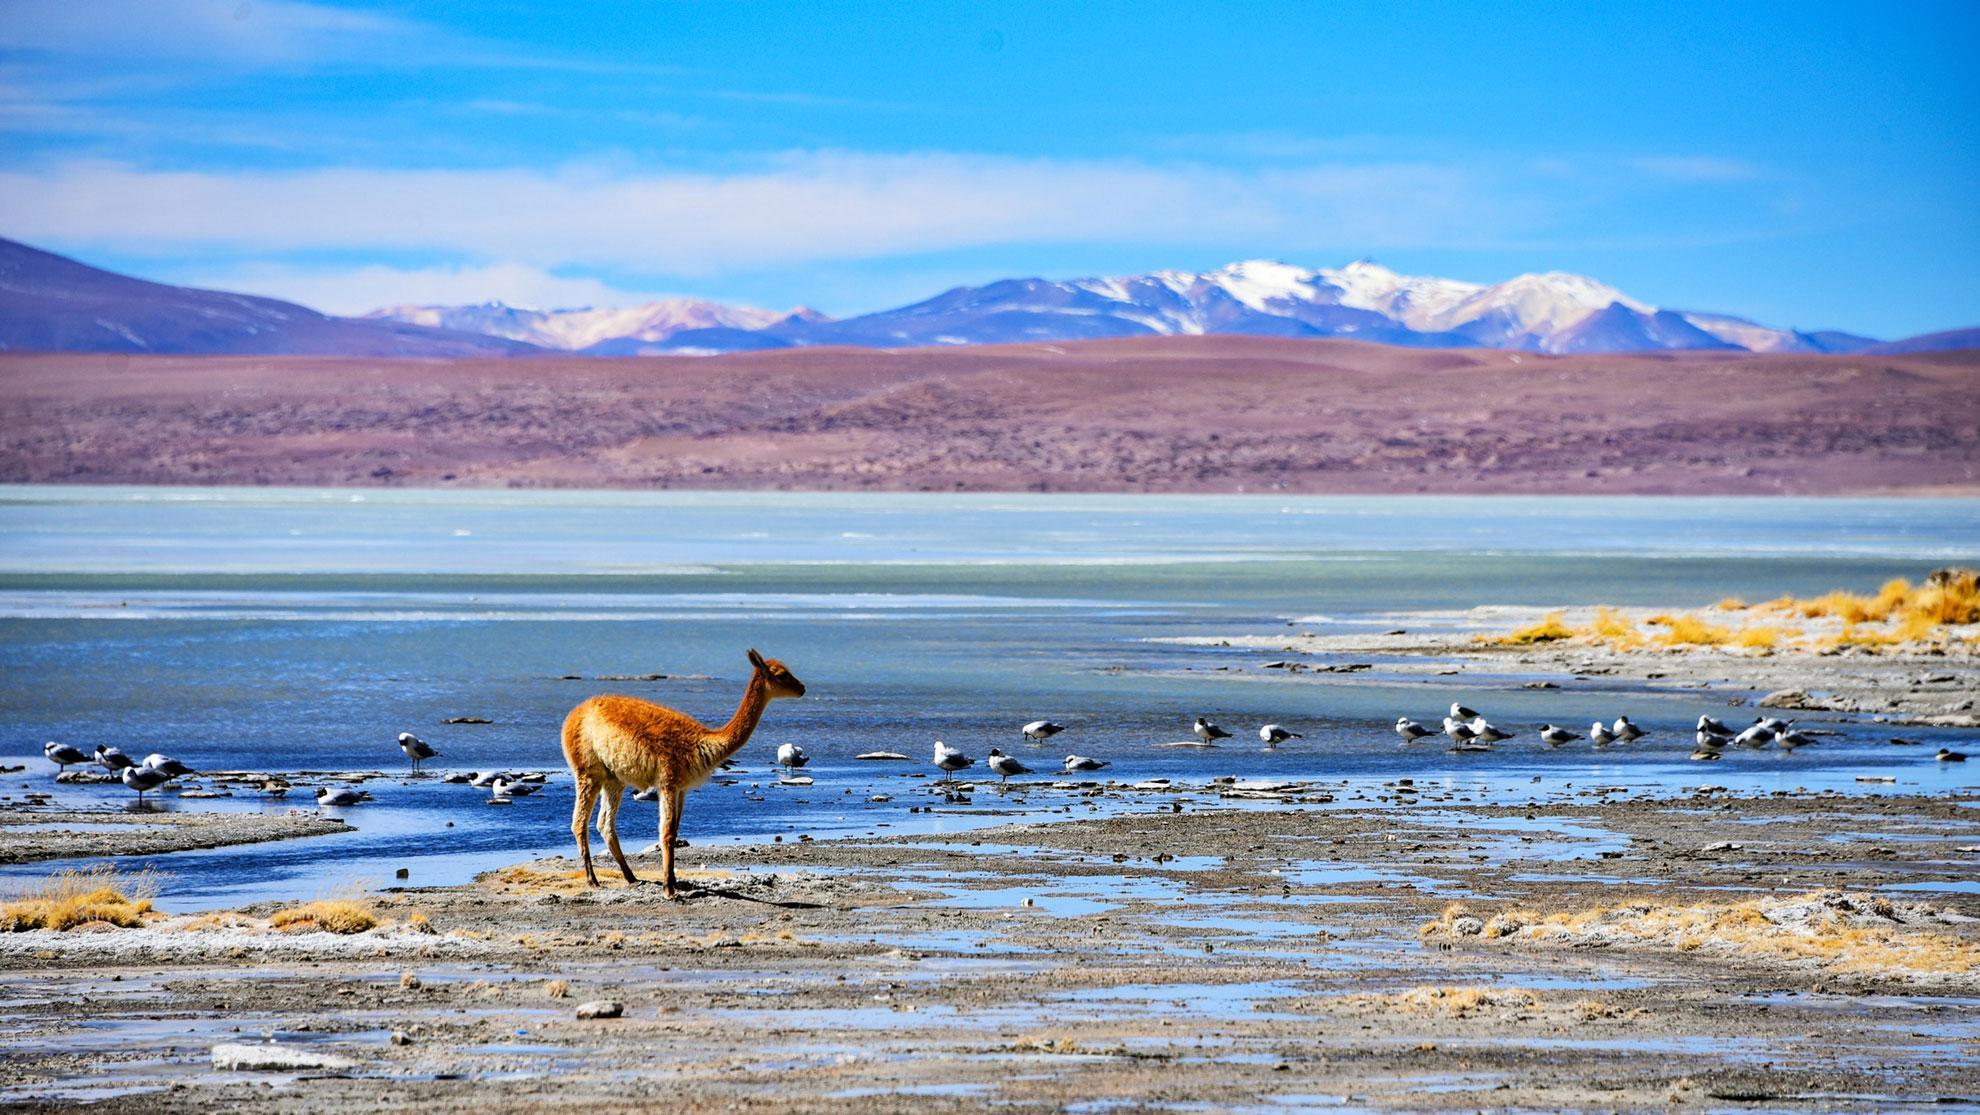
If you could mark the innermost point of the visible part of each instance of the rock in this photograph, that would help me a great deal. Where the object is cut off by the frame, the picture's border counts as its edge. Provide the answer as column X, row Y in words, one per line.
column 1720, row 846
column 1785, row 698
column 882, row 756
column 1465, row 925
column 1540, row 685
column 274, row 1058
column 600, row 1008
column 467, row 720
column 400, row 1037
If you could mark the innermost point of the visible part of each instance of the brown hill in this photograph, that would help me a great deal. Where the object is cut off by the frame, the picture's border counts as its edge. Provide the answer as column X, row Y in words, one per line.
column 1158, row 414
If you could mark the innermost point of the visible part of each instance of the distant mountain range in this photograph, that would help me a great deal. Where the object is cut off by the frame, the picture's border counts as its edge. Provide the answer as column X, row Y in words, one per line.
column 48, row 302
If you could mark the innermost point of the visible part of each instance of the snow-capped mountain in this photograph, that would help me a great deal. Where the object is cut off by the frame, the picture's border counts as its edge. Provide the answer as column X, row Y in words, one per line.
column 607, row 330
column 1551, row 312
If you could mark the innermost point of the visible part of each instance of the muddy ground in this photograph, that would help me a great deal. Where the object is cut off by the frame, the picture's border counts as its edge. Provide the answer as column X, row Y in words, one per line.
column 1174, row 960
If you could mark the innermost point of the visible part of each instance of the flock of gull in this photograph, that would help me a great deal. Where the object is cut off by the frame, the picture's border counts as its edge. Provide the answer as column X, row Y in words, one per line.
column 1467, row 729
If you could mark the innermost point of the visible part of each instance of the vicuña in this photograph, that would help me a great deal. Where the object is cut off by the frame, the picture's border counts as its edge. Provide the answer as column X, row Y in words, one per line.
column 612, row 742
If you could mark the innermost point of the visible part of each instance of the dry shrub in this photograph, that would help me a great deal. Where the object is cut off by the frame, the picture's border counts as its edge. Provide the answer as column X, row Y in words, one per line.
column 1457, row 1002
column 557, row 989
column 1551, row 628
column 327, row 915
column 1614, row 628
column 1689, row 630
column 1731, row 604
column 1953, row 600
column 1759, row 637
column 69, row 898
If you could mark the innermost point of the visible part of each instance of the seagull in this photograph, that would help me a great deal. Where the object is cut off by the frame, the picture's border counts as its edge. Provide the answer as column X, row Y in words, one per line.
column 487, row 778
column 1460, row 712
column 1706, row 753
column 342, row 795
column 1484, row 730
column 1600, row 735
column 651, row 793
column 1006, row 765
column 1773, row 723
column 1708, row 741
column 1557, row 736
column 1759, row 735
column 1410, row 730
column 950, row 759
column 1040, row 730
column 1208, row 732
column 1791, row 739
column 1947, row 755
column 173, row 768
column 790, row 756
column 506, row 789
column 1458, row 730
column 143, row 778
column 1713, row 725
column 415, row 748
column 1083, row 762
column 113, row 759
column 62, row 755
column 1276, row 734
column 1625, row 731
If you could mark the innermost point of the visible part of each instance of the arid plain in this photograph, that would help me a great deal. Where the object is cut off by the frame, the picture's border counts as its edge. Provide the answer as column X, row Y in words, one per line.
column 1176, row 414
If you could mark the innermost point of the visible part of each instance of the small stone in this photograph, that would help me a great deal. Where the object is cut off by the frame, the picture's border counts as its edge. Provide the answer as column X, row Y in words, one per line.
column 403, row 873
column 409, row 981
column 400, row 1037
column 600, row 1008
column 274, row 1058
column 1467, row 926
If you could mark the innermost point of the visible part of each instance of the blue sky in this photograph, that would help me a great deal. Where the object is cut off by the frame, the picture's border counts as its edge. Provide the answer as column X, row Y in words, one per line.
column 1806, row 164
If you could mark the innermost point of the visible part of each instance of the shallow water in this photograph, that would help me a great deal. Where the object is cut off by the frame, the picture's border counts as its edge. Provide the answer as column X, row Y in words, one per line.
column 302, row 630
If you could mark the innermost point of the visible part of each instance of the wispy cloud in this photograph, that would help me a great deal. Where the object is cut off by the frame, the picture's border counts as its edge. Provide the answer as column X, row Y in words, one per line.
column 788, row 209
column 360, row 289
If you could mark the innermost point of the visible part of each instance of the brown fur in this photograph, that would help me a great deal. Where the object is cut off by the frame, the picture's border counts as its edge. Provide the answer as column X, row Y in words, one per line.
column 612, row 742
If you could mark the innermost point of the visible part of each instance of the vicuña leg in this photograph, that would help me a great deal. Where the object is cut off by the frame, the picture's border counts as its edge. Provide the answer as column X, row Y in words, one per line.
column 670, row 831
column 587, row 793
column 608, row 826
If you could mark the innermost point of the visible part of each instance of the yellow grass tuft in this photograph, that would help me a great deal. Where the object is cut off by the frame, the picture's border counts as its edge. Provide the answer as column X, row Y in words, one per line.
column 1551, row 628
column 1455, row 1002
column 1731, row 604
column 1689, row 630
column 328, row 915
column 99, row 896
column 1759, row 637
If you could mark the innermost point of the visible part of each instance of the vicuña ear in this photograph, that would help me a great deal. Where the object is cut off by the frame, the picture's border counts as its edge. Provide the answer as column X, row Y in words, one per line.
column 757, row 659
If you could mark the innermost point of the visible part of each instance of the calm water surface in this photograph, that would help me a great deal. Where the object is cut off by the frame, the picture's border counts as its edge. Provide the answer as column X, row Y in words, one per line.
column 296, row 630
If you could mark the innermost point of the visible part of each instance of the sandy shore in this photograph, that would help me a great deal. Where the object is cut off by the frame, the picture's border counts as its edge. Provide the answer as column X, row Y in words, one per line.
column 30, row 835
column 1781, row 950
column 1940, row 689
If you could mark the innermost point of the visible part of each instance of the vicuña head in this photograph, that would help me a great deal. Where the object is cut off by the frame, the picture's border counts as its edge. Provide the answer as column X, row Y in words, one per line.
column 612, row 742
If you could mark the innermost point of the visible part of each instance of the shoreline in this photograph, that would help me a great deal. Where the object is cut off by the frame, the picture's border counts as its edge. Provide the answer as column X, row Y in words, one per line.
column 1228, row 957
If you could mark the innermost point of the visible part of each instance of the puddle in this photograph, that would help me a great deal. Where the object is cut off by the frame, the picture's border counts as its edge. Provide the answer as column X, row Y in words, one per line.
column 1943, row 886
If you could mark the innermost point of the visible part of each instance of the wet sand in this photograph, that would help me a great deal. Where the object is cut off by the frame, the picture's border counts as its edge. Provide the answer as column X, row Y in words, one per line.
column 1297, row 956
column 28, row 835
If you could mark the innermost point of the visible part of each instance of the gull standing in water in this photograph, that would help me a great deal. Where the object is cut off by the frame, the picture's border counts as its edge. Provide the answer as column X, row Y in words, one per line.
column 1600, row 735
column 1484, row 730
column 1276, row 734
column 416, row 749
column 1006, row 765
column 503, row 788
column 1758, row 735
column 1555, row 736
column 1791, row 739
column 1038, row 731
column 1460, row 712
column 173, row 768
column 341, row 795
column 113, row 759
column 1410, row 730
column 1084, row 762
column 1713, row 725
column 1948, row 755
column 1459, row 731
column 1208, row 732
column 790, row 756
column 62, row 755
column 1624, row 730
column 950, row 759
column 143, row 778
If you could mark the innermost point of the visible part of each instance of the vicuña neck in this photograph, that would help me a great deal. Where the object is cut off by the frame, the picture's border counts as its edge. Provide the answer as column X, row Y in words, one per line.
column 736, row 732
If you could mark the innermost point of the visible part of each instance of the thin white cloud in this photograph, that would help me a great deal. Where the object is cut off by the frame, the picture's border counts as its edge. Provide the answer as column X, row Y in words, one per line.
column 243, row 31
column 362, row 289
column 794, row 209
